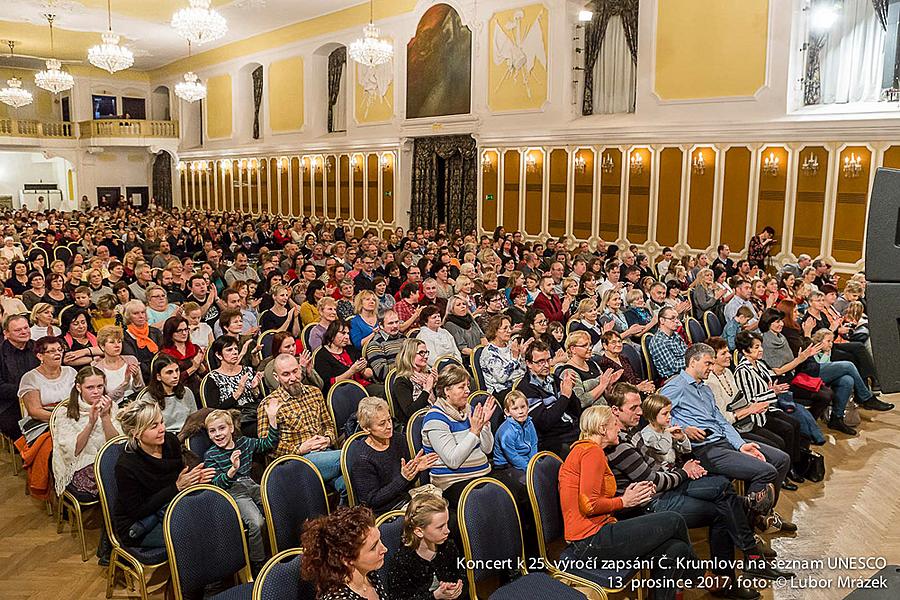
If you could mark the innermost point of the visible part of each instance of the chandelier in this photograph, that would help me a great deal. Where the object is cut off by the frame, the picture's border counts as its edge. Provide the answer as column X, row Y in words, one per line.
column 371, row 50
column 191, row 89
column 199, row 23
column 13, row 95
column 110, row 55
column 53, row 79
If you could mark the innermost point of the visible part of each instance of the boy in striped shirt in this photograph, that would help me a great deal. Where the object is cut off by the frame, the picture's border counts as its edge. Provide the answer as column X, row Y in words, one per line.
column 232, row 458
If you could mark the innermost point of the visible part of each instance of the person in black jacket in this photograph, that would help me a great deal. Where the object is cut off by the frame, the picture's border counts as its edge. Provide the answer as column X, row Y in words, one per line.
column 413, row 387
column 149, row 474
column 381, row 474
column 428, row 554
column 553, row 409
column 16, row 358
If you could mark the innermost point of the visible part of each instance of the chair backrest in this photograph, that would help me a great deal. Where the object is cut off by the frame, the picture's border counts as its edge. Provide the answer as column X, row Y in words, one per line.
column 696, row 332
column 542, row 479
column 209, row 392
column 199, row 443
column 712, row 324
column 490, row 527
column 413, row 332
column 630, row 354
column 212, row 361
column 645, row 348
column 390, row 525
column 480, row 397
column 105, row 475
column 414, row 431
column 204, row 539
column 292, row 491
column 445, row 360
column 280, row 578
column 475, row 367
column 349, row 453
column 343, row 398
column 264, row 342
column 388, row 389
column 304, row 335
column 63, row 253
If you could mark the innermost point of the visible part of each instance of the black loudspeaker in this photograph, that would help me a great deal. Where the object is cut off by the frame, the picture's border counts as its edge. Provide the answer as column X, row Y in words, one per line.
column 883, row 275
column 883, row 230
column 883, row 585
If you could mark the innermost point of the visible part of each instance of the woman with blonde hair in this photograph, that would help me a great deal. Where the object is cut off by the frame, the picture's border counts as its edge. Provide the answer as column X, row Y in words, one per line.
column 588, row 498
column 585, row 319
column 327, row 307
column 611, row 310
column 364, row 325
column 464, row 287
column 705, row 295
column 590, row 381
column 149, row 474
column 123, row 373
column 462, row 326
column 428, row 555
column 140, row 340
column 413, row 387
column 280, row 317
column 42, row 321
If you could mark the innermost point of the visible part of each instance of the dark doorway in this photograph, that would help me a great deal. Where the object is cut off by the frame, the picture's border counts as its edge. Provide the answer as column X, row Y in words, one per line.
column 137, row 197
column 104, row 106
column 445, row 183
column 108, row 197
column 134, row 108
column 66, row 108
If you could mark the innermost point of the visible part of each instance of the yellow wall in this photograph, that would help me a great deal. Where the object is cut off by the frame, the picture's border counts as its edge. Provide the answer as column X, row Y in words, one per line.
column 42, row 107
column 710, row 48
column 218, row 106
column 286, row 95
column 507, row 91
column 372, row 109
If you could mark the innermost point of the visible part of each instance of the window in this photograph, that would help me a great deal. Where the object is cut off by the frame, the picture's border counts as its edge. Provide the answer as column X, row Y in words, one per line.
column 610, row 57
column 337, row 90
column 850, row 51
column 104, row 107
column 134, row 108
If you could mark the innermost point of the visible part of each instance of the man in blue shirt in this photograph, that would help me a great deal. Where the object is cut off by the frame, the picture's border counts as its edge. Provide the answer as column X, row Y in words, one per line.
column 715, row 442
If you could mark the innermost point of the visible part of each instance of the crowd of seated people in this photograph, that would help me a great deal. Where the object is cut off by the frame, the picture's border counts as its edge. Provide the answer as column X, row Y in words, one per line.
column 488, row 348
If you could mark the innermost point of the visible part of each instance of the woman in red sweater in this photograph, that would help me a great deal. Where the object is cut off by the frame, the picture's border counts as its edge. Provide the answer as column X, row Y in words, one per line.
column 587, row 490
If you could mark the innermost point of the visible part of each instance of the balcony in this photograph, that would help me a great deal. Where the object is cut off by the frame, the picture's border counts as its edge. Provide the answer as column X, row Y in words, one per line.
column 37, row 129
column 113, row 130
column 127, row 128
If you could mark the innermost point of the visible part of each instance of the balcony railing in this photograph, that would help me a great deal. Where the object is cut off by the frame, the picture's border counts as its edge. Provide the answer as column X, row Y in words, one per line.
column 37, row 129
column 128, row 128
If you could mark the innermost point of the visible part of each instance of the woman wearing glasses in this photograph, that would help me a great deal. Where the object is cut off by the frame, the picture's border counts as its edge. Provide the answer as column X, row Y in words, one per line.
column 413, row 387
column 590, row 380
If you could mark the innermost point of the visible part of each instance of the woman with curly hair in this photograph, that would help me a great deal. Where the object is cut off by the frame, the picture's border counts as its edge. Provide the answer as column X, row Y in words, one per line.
column 342, row 554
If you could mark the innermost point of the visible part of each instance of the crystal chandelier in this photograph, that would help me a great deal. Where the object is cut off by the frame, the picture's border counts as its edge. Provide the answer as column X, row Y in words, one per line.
column 110, row 55
column 191, row 89
column 53, row 79
column 199, row 23
column 371, row 50
column 13, row 95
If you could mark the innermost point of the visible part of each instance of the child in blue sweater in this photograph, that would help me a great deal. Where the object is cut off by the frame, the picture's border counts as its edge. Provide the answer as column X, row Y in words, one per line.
column 232, row 458
column 517, row 438
column 736, row 325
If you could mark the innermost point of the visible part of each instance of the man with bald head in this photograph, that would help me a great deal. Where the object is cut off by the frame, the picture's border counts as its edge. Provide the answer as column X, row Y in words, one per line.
column 306, row 427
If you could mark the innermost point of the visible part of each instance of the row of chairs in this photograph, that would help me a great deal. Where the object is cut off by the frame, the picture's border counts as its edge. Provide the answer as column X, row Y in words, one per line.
column 696, row 333
column 491, row 529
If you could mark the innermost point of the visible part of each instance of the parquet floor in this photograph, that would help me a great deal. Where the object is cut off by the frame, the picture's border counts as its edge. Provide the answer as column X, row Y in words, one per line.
column 854, row 513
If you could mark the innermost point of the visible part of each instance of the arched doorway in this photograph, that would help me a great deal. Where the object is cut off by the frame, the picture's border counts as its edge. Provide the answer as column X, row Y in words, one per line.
column 162, row 179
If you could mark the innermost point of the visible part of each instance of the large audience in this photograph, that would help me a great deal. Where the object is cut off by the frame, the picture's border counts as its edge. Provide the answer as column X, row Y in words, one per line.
column 686, row 393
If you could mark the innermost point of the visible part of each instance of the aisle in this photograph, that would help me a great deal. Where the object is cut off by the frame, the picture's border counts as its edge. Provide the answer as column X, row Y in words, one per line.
column 855, row 514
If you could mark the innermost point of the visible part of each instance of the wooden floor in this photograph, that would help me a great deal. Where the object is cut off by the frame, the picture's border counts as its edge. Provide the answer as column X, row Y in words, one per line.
column 854, row 513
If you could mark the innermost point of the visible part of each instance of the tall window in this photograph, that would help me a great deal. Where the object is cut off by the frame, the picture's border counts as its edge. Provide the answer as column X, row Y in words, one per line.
column 851, row 51
column 337, row 90
column 610, row 57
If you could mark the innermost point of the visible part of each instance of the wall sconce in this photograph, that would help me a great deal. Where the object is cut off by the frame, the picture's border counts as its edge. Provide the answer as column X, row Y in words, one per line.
column 487, row 164
column 329, row 164
column 637, row 163
column 810, row 165
column 852, row 166
column 282, row 164
column 254, row 164
column 385, row 162
column 317, row 164
column 225, row 165
column 607, row 165
column 580, row 164
column 354, row 162
column 770, row 165
column 181, row 166
column 531, row 163
column 698, row 166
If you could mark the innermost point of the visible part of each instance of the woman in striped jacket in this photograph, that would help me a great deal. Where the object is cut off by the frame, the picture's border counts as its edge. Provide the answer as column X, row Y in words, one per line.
column 786, row 425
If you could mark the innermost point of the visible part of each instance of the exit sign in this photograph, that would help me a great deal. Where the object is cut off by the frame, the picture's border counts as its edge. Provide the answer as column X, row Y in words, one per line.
column 489, row 197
